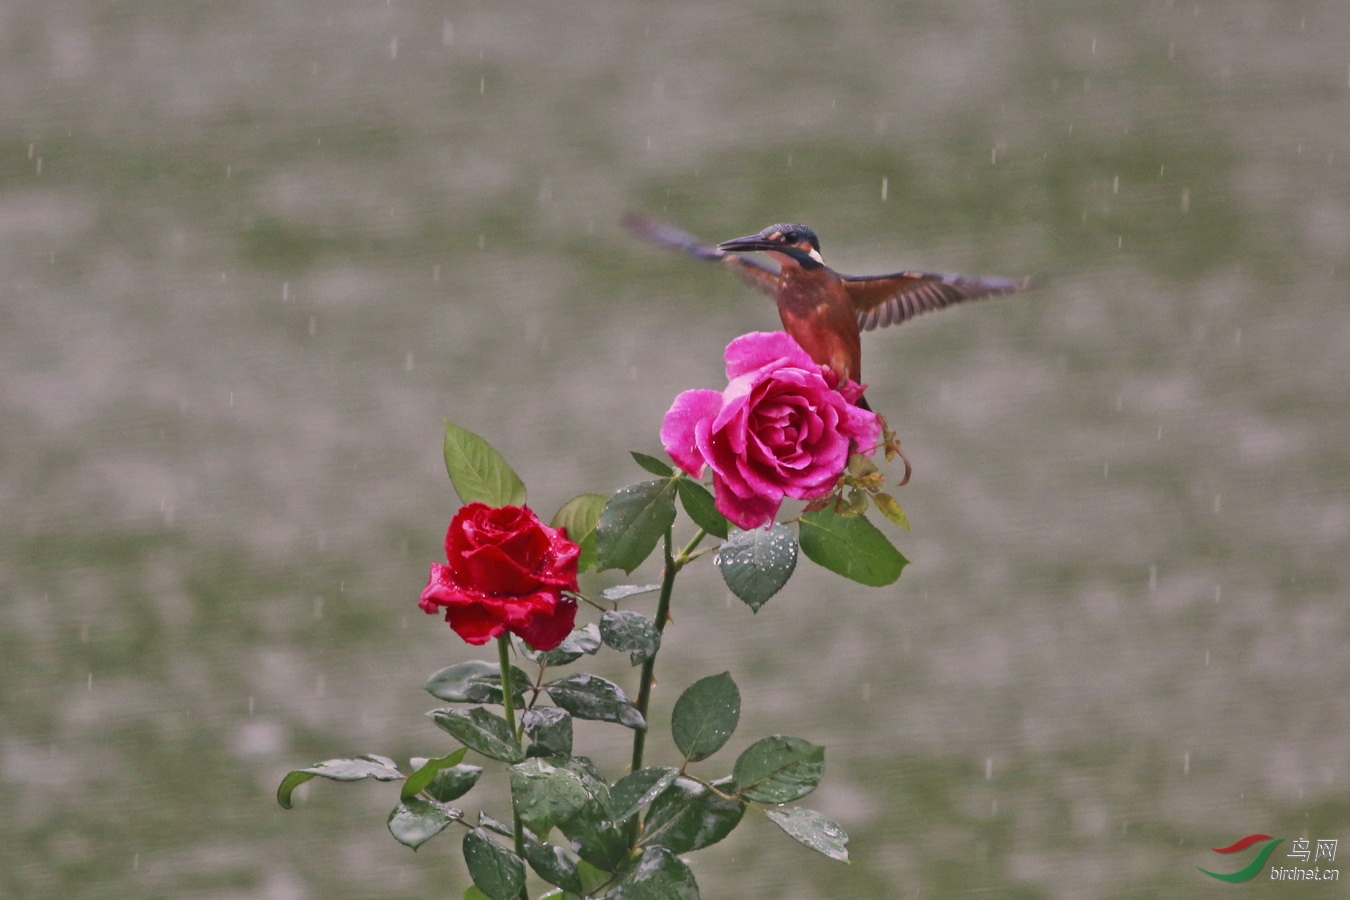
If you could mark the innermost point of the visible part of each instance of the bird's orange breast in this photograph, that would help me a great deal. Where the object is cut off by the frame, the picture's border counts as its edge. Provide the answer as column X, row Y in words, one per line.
column 818, row 313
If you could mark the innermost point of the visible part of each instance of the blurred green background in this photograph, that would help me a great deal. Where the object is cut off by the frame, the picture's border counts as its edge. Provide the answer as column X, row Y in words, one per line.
column 254, row 253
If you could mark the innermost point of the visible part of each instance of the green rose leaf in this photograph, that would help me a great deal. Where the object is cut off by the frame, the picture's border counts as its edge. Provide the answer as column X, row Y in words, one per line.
column 553, row 865
column 652, row 464
column 496, row 826
column 698, row 503
column 705, row 716
column 475, row 681
column 624, row 591
column 625, row 630
column 579, row 516
column 594, row 832
column 546, row 795
column 778, row 769
column 850, row 546
column 480, row 730
column 495, row 871
column 596, row 840
column 688, row 816
column 414, row 822
column 381, row 768
column 812, row 829
column 580, row 642
column 592, row 697
column 426, row 771
column 453, row 782
column 756, row 563
column 478, row 472
column 633, row 520
column 549, row 730
column 657, row 874
column 638, row 789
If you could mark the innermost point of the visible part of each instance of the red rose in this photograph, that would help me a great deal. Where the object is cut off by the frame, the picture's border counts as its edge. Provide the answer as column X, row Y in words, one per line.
column 506, row 572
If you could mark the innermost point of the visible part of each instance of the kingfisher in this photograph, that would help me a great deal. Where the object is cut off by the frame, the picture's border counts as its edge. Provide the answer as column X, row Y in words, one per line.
column 824, row 311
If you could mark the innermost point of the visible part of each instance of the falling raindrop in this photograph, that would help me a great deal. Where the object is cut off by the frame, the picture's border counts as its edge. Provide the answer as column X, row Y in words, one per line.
column 1115, row 185
column 988, row 768
column 885, row 188
column 393, row 47
column 1186, row 200
column 250, row 704
column 1186, row 764
column 285, row 292
column 408, row 362
column 1152, row 578
column 447, row 32
column 313, row 325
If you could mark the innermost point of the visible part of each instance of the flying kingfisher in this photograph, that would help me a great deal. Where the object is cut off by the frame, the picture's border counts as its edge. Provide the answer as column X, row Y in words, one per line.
column 826, row 312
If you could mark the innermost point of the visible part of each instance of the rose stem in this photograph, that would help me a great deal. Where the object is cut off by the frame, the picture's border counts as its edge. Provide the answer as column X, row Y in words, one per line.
column 509, row 702
column 673, row 566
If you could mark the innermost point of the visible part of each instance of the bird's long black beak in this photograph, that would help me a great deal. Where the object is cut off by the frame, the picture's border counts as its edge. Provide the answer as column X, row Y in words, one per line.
column 748, row 244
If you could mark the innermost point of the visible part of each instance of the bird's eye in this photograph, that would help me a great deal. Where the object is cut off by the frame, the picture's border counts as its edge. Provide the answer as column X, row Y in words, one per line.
column 791, row 237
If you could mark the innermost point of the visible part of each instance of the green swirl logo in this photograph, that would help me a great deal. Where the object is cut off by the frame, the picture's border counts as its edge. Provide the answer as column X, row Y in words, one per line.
column 1249, row 871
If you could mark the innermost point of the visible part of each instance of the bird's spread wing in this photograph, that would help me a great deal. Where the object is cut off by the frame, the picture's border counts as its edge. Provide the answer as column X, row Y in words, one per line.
column 752, row 272
column 881, row 300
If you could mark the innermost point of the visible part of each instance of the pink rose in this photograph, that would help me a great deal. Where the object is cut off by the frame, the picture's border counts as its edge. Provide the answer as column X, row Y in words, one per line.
column 780, row 429
column 506, row 571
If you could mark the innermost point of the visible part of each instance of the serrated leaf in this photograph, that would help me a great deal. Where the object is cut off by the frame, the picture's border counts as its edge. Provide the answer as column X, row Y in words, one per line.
column 420, row 779
column 652, row 464
column 553, row 865
column 414, row 822
column 630, row 632
column 624, row 591
column 812, row 829
column 657, row 874
column 454, row 782
column 705, row 716
column 891, row 509
column 495, row 871
column 778, row 769
column 633, row 521
column 688, row 816
column 381, row 768
column 546, row 795
column 579, row 516
column 478, row 472
column 755, row 564
column 480, row 730
column 852, row 547
column 582, row 641
column 699, row 504
column 549, row 729
column 592, row 697
column 496, row 826
column 638, row 789
column 475, row 681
